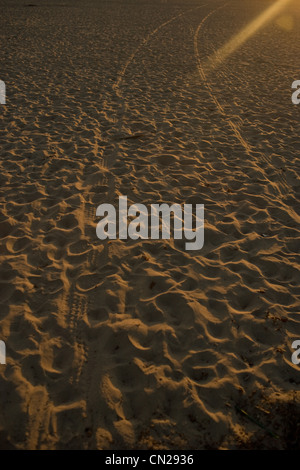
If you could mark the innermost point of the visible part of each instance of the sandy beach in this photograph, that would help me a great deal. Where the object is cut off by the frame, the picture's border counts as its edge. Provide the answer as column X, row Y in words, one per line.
column 142, row 344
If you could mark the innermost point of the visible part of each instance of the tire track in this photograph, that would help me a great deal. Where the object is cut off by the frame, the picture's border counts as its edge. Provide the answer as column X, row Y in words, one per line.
column 77, row 311
column 249, row 149
column 73, row 306
column 144, row 42
column 266, row 158
column 77, row 306
column 208, row 85
column 39, row 411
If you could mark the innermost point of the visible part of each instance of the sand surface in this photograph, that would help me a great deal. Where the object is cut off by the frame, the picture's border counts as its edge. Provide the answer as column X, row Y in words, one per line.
column 124, row 344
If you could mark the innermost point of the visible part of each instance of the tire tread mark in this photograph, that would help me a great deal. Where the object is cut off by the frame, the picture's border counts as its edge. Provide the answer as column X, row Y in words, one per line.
column 39, row 418
column 248, row 148
column 208, row 86
column 145, row 41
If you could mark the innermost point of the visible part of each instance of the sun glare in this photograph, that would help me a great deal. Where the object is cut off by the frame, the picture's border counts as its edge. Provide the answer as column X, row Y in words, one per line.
column 236, row 41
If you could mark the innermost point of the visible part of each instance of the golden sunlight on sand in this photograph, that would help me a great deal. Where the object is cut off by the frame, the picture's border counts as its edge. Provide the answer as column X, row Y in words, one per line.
column 129, row 342
column 238, row 40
